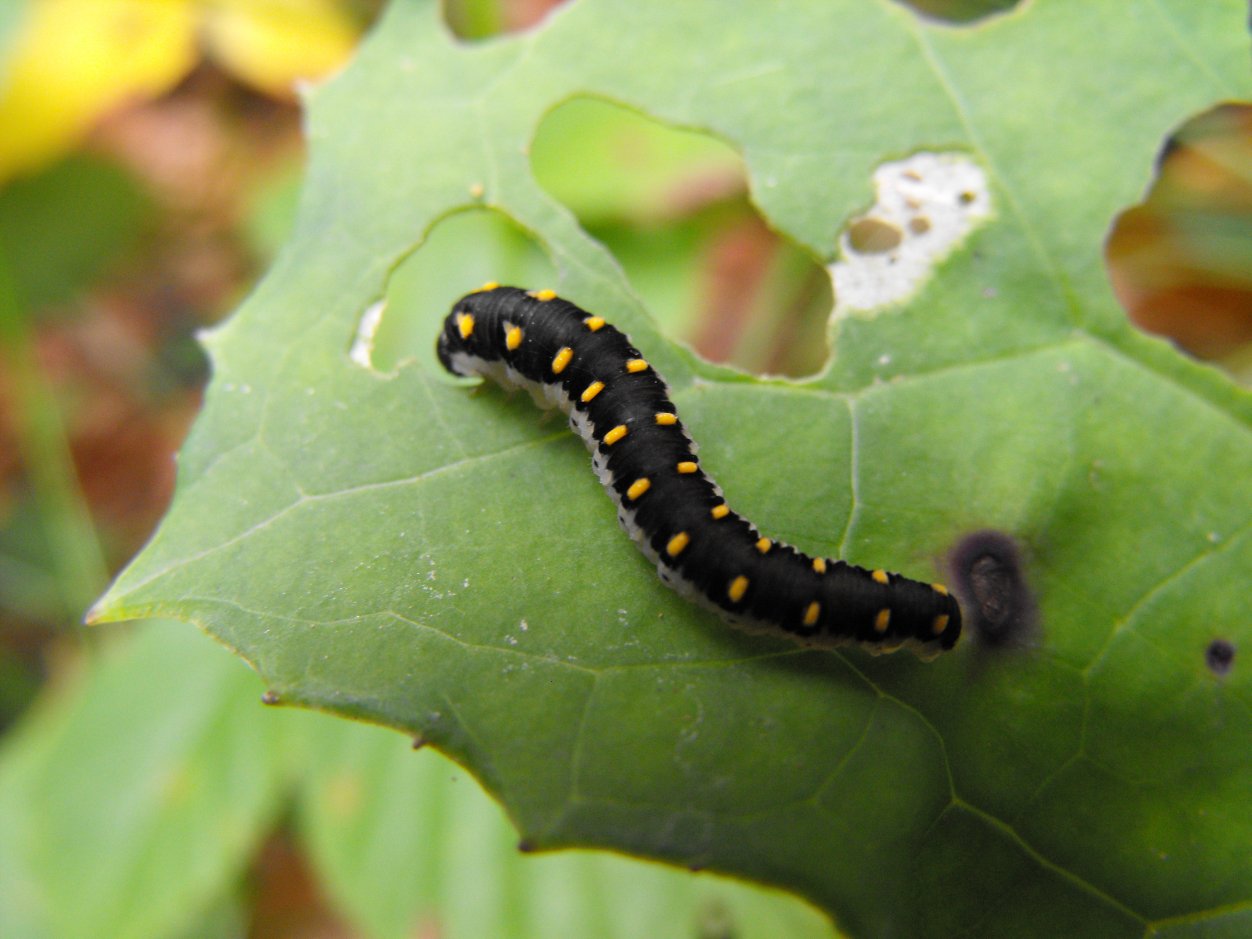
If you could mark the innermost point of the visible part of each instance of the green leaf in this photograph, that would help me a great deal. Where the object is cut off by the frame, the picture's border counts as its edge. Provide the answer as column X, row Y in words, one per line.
column 129, row 806
column 371, row 808
column 385, row 545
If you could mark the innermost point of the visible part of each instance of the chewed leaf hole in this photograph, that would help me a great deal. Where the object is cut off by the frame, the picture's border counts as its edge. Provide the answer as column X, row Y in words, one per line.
column 1181, row 260
column 473, row 21
column 672, row 207
column 959, row 11
column 926, row 206
column 459, row 253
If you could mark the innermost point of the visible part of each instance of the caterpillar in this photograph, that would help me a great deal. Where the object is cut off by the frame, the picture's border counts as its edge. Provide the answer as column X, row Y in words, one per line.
column 570, row 359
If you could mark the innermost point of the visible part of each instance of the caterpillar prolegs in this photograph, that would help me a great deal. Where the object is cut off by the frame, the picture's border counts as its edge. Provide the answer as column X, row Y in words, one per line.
column 620, row 406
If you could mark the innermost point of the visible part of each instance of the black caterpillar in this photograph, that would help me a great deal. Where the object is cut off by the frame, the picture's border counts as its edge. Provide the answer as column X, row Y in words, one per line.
column 568, row 358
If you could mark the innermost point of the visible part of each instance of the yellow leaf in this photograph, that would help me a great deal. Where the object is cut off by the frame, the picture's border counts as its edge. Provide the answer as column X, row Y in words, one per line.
column 273, row 44
column 73, row 61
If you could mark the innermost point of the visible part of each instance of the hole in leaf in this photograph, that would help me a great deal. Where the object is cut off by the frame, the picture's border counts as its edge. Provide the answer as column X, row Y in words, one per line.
column 671, row 206
column 1181, row 260
column 460, row 253
column 925, row 207
column 472, row 20
column 959, row 11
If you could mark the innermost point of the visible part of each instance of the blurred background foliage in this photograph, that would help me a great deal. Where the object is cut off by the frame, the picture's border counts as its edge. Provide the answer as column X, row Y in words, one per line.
column 150, row 158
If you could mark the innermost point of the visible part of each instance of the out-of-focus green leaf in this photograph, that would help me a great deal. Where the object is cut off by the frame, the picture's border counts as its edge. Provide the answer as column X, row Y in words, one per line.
column 467, row 248
column 23, row 899
column 475, row 19
column 62, row 227
column 607, row 163
column 135, row 801
column 961, row 10
column 390, row 547
column 52, row 564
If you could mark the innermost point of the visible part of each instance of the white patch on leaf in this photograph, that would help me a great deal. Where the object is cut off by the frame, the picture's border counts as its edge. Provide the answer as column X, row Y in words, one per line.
column 926, row 206
column 362, row 351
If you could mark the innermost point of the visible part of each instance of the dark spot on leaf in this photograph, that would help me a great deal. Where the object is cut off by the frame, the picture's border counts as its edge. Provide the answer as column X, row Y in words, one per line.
column 873, row 236
column 527, row 846
column 919, row 225
column 418, row 742
column 271, row 697
column 1220, row 656
column 988, row 576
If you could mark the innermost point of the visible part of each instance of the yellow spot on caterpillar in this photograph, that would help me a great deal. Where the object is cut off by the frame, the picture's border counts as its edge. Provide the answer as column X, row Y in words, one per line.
column 638, row 488
column 636, row 365
column 666, row 419
column 819, row 565
column 688, row 466
column 513, row 338
column 591, row 391
column 879, row 576
column 614, row 435
column 594, row 323
column 465, row 323
column 738, row 587
column 720, row 511
column 543, row 296
column 940, row 624
column 561, row 359
column 676, row 544
column 812, row 613
column 882, row 620
column 490, row 285
column 763, row 545
column 940, row 589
